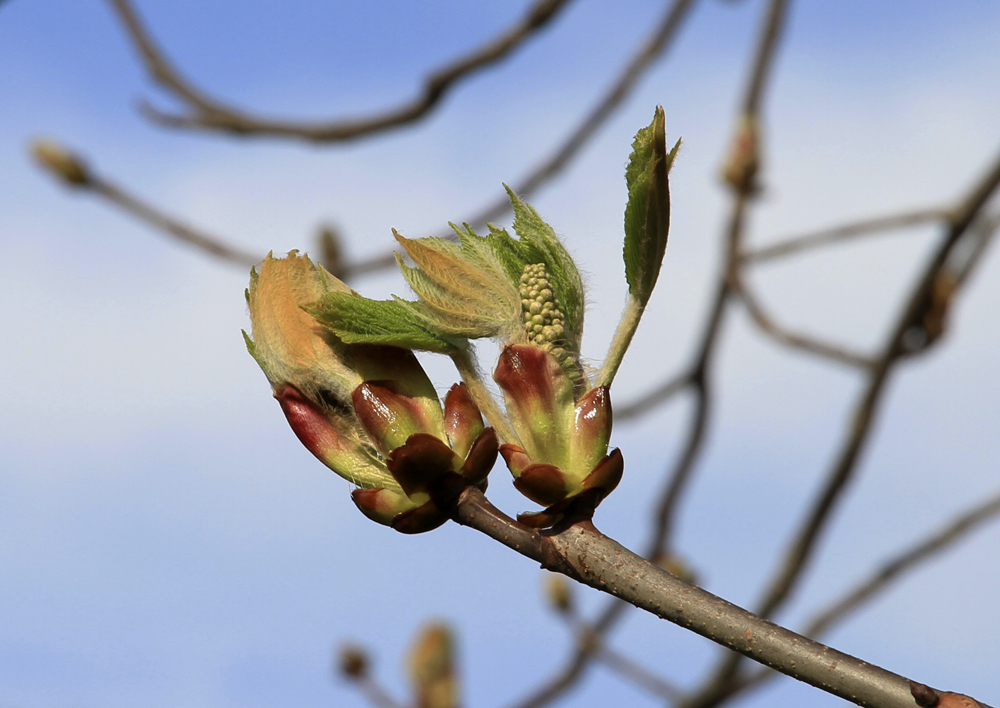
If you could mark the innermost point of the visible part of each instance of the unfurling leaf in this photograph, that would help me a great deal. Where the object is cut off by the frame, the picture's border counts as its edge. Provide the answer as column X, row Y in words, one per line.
column 647, row 215
column 358, row 320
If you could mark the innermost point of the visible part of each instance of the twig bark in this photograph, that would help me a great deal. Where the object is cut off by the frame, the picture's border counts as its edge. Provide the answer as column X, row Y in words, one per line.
column 582, row 553
column 723, row 682
column 887, row 575
column 208, row 113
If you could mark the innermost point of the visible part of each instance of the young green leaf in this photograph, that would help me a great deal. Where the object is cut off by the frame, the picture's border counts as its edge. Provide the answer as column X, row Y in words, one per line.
column 647, row 215
column 358, row 320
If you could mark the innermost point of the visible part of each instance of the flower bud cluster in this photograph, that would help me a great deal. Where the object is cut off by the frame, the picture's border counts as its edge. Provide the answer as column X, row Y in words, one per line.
column 544, row 322
column 367, row 411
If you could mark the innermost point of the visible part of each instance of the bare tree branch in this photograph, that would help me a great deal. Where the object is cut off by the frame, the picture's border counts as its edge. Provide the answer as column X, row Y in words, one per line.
column 923, row 551
column 590, row 641
column 724, row 681
column 795, row 340
column 837, row 234
column 75, row 172
column 182, row 232
column 637, row 674
column 912, row 315
column 582, row 553
column 647, row 53
column 887, row 575
column 207, row 113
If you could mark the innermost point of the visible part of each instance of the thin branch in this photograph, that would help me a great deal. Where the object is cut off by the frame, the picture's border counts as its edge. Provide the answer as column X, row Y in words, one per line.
column 647, row 53
column 562, row 681
column 638, row 674
column 838, row 234
column 795, row 340
column 375, row 694
column 883, row 578
column 182, row 232
column 74, row 171
column 654, row 398
column 986, row 229
column 908, row 560
column 582, row 553
column 744, row 192
column 723, row 682
column 207, row 113
column 588, row 638
column 650, row 50
column 804, row 542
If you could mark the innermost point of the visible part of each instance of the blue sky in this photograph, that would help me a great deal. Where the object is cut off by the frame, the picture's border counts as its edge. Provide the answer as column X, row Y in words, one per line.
column 165, row 541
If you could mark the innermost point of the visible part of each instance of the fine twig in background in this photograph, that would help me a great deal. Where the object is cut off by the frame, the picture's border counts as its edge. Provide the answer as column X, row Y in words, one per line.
column 943, row 538
column 592, row 643
column 650, row 50
column 895, row 348
column 208, row 113
column 986, row 229
column 652, row 399
column 888, row 574
column 646, row 54
column 724, row 681
column 794, row 340
column 744, row 191
column 182, row 232
column 73, row 171
column 845, row 232
column 637, row 674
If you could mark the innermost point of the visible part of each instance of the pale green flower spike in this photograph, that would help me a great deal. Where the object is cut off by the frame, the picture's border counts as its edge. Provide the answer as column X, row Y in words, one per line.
column 544, row 322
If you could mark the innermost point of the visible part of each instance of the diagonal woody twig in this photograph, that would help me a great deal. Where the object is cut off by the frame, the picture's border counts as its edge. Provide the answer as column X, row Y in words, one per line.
column 885, row 576
column 208, row 113
column 583, row 553
column 75, row 172
column 913, row 318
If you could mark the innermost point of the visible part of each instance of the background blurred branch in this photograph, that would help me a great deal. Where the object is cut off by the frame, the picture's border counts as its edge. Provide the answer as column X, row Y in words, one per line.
column 723, row 681
column 891, row 572
column 208, row 113
column 794, row 340
column 826, row 237
column 72, row 170
column 645, row 55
